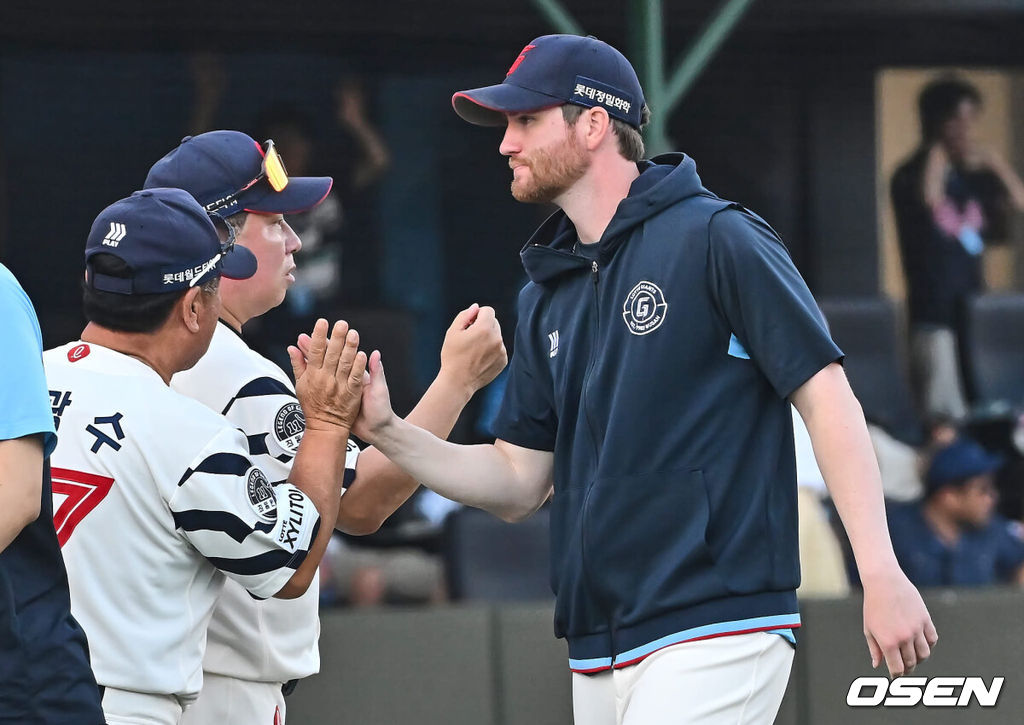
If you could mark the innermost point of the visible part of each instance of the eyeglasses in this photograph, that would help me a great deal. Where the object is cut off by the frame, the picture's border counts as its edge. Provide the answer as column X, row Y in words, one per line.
column 272, row 169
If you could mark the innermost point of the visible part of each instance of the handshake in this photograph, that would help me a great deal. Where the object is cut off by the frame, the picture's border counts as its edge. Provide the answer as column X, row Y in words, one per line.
column 344, row 391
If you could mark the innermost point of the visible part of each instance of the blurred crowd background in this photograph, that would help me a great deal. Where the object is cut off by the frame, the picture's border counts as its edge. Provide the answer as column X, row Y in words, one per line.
column 900, row 208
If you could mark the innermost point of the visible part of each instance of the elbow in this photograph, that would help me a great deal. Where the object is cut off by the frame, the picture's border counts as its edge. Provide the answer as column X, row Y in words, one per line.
column 295, row 587
column 359, row 526
column 516, row 514
column 29, row 511
column 357, row 522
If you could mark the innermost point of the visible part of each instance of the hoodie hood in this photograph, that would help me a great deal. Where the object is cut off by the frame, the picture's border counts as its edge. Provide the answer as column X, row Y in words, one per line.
column 663, row 181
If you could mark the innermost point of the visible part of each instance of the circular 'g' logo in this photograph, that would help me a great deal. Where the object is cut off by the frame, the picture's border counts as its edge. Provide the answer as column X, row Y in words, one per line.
column 262, row 498
column 289, row 424
column 644, row 309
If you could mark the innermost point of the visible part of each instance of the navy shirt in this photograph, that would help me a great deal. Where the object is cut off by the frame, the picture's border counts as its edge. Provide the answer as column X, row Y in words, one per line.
column 985, row 556
column 656, row 364
column 45, row 677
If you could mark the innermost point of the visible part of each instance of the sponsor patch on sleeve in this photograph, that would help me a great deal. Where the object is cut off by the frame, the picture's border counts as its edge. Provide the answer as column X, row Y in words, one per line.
column 261, row 494
column 289, row 425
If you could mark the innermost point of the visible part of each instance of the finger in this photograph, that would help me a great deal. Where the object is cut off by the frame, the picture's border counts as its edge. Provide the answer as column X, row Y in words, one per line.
column 465, row 318
column 921, row 647
column 335, row 346
column 874, row 650
column 303, row 343
column 317, row 344
column 909, row 656
column 486, row 316
column 348, row 355
column 298, row 361
column 930, row 634
column 894, row 661
column 358, row 370
column 376, row 366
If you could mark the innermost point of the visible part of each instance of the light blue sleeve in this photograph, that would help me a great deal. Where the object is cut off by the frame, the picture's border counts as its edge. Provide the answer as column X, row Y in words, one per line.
column 24, row 398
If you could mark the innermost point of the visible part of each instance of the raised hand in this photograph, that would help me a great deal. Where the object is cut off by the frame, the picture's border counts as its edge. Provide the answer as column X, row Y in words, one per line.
column 329, row 376
column 376, row 412
column 473, row 352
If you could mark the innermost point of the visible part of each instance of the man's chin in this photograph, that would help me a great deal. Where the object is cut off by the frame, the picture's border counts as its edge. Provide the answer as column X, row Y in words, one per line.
column 531, row 195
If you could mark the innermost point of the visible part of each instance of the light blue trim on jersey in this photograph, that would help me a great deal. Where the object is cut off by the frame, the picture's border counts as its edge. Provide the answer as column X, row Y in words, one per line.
column 736, row 348
column 710, row 630
column 786, row 634
column 596, row 663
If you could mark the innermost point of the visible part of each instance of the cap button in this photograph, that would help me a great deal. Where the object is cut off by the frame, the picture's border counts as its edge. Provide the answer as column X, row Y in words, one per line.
column 145, row 192
column 187, row 138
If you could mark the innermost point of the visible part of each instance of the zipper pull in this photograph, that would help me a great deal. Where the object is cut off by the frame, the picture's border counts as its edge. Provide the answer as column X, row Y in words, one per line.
column 593, row 270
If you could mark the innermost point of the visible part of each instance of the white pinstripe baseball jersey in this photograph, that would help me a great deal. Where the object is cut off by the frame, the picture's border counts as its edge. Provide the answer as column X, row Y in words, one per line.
column 273, row 640
column 155, row 499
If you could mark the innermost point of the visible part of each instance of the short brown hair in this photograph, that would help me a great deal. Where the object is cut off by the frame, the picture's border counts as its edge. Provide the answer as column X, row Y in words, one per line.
column 631, row 143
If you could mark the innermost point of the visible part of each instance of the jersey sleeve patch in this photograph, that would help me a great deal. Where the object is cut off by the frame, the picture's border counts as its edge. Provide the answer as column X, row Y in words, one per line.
column 261, row 494
column 289, row 425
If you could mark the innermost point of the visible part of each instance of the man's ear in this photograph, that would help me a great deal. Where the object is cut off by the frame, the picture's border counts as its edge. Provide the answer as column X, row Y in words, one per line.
column 191, row 308
column 595, row 125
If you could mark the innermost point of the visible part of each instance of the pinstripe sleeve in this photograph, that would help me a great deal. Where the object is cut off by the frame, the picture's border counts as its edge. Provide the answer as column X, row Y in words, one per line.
column 270, row 415
column 229, row 510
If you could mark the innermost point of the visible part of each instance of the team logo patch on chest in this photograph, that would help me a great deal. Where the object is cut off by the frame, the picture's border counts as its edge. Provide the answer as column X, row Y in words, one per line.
column 645, row 308
column 289, row 424
column 261, row 496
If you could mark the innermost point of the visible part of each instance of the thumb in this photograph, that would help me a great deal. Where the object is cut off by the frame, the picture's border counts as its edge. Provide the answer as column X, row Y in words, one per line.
column 467, row 317
column 376, row 367
column 298, row 361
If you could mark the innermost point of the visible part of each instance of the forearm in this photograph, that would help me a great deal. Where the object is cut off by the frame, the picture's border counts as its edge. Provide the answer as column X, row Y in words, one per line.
column 318, row 471
column 847, row 461
column 380, row 486
column 481, row 476
column 21, row 481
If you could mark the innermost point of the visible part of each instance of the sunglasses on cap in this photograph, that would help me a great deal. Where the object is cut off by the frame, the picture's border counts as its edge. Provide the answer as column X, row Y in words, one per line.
column 272, row 169
column 226, row 245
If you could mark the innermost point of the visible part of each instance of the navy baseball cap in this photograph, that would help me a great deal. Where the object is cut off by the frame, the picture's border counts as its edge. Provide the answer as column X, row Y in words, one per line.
column 168, row 241
column 960, row 460
column 222, row 170
column 556, row 69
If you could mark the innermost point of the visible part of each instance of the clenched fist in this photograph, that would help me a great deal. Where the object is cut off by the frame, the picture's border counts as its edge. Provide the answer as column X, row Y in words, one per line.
column 473, row 353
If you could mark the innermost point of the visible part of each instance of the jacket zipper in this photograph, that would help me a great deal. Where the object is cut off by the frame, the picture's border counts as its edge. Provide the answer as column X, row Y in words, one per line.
column 595, row 277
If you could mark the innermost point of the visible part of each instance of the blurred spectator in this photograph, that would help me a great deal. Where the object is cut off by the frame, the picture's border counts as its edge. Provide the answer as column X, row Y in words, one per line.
column 953, row 536
column 950, row 197
column 399, row 564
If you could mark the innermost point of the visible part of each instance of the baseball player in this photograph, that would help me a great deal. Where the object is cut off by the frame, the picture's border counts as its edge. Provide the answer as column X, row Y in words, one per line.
column 660, row 339
column 258, row 649
column 156, row 497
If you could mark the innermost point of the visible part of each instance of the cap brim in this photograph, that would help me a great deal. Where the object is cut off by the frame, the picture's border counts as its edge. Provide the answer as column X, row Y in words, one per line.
column 487, row 106
column 301, row 193
column 239, row 263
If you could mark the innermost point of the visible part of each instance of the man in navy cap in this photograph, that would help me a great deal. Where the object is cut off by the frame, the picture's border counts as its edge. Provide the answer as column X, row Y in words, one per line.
column 954, row 537
column 661, row 338
column 156, row 498
column 257, row 650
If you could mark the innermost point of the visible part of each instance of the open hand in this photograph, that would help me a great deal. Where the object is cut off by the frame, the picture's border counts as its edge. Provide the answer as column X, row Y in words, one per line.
column 376, row 412
column 329, row 377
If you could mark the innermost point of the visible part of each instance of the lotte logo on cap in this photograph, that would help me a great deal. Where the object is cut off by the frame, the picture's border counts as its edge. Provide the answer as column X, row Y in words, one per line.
column 520, row 59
